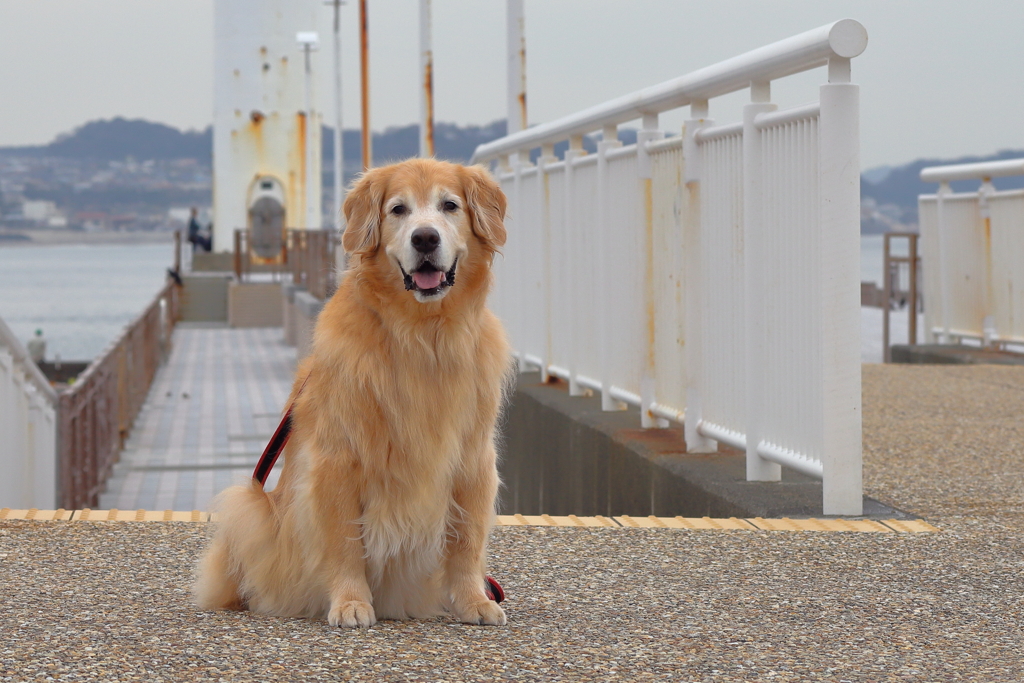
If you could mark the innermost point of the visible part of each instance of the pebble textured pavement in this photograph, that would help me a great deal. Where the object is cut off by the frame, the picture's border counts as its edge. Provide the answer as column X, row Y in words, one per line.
column 108, row 601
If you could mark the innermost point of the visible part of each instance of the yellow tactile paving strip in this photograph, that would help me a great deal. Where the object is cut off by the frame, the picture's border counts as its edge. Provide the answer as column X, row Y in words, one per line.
column 692, row 523
column 88, row 515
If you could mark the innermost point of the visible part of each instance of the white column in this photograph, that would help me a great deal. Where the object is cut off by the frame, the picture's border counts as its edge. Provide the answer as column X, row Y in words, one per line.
column 693, row 279
column 649, row 378
column 839, row 165
column 547, row 156
column 517, row 253
column 944, row 270
column 988, row 324
column 609, row 140
column 573, row 265
column 758, row 469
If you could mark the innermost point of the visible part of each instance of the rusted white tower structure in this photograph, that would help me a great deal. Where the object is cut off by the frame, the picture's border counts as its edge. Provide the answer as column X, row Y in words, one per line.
column 266, row 131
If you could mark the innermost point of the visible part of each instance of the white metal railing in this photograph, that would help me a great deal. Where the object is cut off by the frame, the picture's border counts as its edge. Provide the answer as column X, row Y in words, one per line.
column 710, row 278
column 973, row 255
column 28, row 429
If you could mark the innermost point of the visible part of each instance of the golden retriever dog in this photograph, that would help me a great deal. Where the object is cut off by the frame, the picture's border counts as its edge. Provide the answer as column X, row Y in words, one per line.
column 387, row 495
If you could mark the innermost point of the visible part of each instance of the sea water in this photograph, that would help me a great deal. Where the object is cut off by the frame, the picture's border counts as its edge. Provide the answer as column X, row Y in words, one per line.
column 80, row 296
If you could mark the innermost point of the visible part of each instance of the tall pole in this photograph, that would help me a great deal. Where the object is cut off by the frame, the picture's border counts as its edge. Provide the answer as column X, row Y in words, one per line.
column 339, row 159
column 308, row 41
column 427, row 91
column 516, row 67
column 364, row 71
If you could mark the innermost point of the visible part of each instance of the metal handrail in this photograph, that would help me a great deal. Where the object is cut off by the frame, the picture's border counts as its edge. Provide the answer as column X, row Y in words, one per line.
column 309, row 255
column 843, row 39
column 979, row 171
column 96, row 413
column 28, row 366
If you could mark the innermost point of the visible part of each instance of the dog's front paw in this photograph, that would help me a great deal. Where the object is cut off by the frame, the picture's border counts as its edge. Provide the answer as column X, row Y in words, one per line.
column 483, row 612
column 352, row 614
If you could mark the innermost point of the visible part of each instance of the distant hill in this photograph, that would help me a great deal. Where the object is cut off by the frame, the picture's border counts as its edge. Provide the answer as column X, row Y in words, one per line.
column 901, row 185
column 116, row 139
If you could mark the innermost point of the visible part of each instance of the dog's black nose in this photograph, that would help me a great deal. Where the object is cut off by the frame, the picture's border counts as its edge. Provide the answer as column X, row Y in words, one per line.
column 425, row 240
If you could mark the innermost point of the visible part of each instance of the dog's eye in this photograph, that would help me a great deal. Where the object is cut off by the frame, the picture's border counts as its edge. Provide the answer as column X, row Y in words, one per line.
column 450, row 206
column 399, row 209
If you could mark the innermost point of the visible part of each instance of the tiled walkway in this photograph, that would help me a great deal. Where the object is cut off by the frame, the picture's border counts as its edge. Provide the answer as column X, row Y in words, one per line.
column 208, row 416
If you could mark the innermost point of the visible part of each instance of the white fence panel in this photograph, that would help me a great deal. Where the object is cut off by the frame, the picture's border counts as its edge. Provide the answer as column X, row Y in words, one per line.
column 792, row 409
column 973, row 255
column 668, row 251
column 959, row 249
column 622, row 276
column 28, row 430
column 1007, row 215
column 928, row 245
column 711, row 279
column 723, row 384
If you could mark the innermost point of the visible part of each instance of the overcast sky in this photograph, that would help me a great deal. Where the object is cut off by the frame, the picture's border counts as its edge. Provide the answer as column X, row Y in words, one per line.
column 940, row 78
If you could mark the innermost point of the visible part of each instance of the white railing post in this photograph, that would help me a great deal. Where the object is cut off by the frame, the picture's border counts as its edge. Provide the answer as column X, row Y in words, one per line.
column 609, row 140
column 754, row 249
column 839, row 168
column 940, row 226
column 547, row 156
column 988, row 325
column 694, row 281
column 519, row 312
column 648, row 380
column 574, row 267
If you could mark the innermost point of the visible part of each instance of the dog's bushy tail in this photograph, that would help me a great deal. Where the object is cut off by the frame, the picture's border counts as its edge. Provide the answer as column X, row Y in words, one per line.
column 242, row 555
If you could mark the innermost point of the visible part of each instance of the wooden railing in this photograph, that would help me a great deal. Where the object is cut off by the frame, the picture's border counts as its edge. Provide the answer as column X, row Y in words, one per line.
column 97, row 412
column 309, row 255
column 312, row 257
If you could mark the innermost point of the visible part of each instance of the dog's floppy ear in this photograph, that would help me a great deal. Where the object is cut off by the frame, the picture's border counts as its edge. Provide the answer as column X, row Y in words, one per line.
column 487, row 205
column 362, row 212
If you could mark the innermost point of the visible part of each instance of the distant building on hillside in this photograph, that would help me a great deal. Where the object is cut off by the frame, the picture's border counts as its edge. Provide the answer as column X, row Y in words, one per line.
column 43, row 213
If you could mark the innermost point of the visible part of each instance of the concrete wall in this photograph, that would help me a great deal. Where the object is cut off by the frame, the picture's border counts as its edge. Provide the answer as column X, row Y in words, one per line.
column 204, row 297
column 254, row 304
column 563, row 455
column 288, row 314
column 306, row 309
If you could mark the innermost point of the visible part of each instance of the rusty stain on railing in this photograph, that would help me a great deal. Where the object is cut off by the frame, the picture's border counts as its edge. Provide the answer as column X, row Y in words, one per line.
column 97, row 412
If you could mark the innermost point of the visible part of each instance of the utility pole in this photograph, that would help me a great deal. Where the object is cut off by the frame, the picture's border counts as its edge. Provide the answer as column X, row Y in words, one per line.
column 339, row 159
column 308, row 40
column 516, row 67
column 427, row 89
column 364, row 70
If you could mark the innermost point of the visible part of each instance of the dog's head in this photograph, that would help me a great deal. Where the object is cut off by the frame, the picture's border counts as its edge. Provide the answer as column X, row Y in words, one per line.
column 426, row 220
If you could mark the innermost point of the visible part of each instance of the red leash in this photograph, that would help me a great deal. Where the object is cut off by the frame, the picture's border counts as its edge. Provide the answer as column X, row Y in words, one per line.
column 277, row 443
column 273, row 451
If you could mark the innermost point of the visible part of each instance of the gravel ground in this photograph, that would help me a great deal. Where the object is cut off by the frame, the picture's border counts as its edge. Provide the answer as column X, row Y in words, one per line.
column 103, row 601
column 946, row 441
column 95, row 601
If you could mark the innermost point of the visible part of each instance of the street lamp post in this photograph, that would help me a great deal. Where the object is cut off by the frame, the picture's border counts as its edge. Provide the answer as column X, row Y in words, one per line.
column 308, row 40
column 339, row 159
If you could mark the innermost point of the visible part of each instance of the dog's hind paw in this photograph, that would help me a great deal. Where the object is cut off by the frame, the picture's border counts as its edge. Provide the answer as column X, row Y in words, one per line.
column 485, row 612
column 352, row 614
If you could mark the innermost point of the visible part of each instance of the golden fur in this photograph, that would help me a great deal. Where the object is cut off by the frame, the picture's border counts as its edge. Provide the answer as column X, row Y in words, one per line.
column 388, row 488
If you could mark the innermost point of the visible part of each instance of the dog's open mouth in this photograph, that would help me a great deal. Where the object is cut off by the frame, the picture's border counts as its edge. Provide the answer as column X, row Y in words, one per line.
column 428, row 280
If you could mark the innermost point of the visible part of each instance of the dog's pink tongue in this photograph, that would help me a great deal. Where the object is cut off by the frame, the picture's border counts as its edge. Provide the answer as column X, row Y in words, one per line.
column 428, row 280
